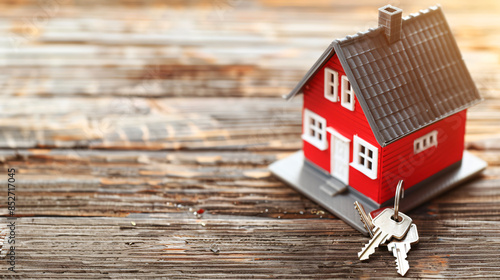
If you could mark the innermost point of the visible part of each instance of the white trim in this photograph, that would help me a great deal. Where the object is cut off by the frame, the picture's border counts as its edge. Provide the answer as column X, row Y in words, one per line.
column 347, row 95
column 362, row 160
column 425, row 142
column 331, row 87
column 314, row 130
column 337, row 158
column 334, row 132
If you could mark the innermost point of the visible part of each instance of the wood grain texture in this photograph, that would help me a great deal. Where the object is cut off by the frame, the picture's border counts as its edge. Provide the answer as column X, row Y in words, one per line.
column 123, row 118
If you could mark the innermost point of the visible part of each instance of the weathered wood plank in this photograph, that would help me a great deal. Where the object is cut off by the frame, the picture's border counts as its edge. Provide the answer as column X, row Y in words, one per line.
column 99, row 183
column 178, row 123
column 212, row 123
column 170, row 246
column 201, row 48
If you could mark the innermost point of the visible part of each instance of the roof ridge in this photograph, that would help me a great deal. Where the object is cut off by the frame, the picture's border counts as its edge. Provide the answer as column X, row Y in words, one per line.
column 357, row 35
column 410, row 17
column 422, row 12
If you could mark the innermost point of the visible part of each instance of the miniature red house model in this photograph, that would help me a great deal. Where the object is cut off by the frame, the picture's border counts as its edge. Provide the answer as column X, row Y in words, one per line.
column 384, row 105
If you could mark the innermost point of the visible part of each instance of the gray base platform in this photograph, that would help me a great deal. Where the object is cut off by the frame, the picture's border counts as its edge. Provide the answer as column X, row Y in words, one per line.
column 339, row 199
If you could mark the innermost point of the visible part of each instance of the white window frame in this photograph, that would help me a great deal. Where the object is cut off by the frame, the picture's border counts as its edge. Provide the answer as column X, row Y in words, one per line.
column 331, row 87
column 425, row 142
column 361, row 158
column 314, row 130
column 345, row 93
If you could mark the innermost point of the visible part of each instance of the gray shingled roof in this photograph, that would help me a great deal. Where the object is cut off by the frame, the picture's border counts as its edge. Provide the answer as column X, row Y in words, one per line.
column 409, row 84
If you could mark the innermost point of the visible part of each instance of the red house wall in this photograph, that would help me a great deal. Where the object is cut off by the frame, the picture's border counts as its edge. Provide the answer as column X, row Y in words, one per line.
column 397, row 160
column 344, row 121
column 400, row 162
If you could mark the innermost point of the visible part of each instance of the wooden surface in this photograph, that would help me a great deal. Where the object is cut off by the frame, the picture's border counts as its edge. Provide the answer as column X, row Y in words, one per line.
column 124, row 118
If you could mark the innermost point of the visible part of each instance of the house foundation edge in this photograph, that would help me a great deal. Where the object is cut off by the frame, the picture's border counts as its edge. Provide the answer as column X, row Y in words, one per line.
column 296, row 172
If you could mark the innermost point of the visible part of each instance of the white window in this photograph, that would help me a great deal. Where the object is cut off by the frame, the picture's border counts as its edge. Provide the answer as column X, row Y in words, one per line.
column 365, row 157
column 314, row 130
column 425, row 142
column 331, row 85
column 347, row 96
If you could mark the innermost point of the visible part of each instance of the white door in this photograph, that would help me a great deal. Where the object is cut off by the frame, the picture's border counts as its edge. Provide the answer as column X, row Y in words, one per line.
column 340, row 157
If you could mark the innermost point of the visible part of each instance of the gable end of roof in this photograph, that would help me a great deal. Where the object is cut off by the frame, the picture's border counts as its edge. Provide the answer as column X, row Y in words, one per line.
column 322, row 60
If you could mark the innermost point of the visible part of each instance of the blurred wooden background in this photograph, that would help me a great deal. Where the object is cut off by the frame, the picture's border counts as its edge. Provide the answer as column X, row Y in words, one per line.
column 122, row 118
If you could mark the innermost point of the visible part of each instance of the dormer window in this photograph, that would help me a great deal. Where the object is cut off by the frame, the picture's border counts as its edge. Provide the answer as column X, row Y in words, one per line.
column 425, row 142
column 331, row 85
column 347, row 98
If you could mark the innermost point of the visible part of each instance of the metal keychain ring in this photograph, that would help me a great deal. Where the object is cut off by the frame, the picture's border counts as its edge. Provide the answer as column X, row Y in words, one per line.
column 400, row 192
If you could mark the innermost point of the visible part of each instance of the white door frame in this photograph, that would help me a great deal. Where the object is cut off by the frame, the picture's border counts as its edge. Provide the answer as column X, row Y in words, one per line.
column 339, row 157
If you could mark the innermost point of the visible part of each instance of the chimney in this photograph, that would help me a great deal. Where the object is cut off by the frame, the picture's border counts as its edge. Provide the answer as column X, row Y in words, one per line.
column 391, row 18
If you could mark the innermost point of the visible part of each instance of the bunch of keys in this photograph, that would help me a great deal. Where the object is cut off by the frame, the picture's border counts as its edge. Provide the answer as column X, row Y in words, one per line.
column 390, row 226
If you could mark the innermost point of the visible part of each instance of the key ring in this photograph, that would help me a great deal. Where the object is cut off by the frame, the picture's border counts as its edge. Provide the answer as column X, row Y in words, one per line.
column 400, row 192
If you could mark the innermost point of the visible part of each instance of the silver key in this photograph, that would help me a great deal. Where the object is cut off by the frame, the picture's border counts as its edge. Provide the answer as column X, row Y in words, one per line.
column 367, row 220
column 385, row 229
column 400, row 248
